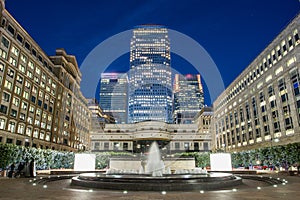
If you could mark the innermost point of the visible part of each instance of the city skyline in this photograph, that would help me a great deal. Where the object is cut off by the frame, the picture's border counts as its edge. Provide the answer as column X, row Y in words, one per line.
column 218, row 26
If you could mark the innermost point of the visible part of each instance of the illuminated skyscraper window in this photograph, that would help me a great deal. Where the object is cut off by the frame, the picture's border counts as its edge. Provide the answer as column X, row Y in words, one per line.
column 188, row 98
column 150, row 89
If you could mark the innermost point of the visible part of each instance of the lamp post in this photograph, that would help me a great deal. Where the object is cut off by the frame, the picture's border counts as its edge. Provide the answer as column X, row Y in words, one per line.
column 224, row 147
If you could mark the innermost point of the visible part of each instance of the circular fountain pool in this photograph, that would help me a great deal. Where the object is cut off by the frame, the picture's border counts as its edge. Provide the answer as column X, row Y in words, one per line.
column 172, row 182
column 156, row 177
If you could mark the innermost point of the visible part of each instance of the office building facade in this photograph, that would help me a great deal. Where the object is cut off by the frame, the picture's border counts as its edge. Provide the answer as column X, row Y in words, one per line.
column 41, row 102
column 171, row 138
column 188, row 98
column 262, row 106
column 113, row 96
column 150, row 91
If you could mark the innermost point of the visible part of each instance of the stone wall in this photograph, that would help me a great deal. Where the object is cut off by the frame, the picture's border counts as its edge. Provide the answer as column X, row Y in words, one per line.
column 135, row 164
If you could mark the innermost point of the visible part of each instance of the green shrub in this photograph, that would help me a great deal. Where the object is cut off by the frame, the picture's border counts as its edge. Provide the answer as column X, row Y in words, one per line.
column 44, row 158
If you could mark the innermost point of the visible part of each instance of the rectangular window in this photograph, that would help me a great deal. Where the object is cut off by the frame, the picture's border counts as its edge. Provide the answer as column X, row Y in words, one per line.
column 42, row 135
column 27, row 84
column 3, row 109
column 18, row 90
column 13, row 61
column 35, row 133
column 266, row 130
column 205, row 146
column 276, row 127
column 177, row 146
column 24, row 105
column 16, row 101
column 2, row 123
column 284, row 98
column 41, row 94
column 11, row 127
column 270, row 90
column 30, row 65
column 273, row 104
column 3, row 54
column 196, row 146
column 33, row 51
column 31, row 109
column 29, row 74
column 22, row 68
column 15, row 51
column 11, row 29
column 37, row 70
column 21, row 128
column 33, row 99
column 19, row 79
column 22, row 116
column 28, row 131
column 23, row 58
column 106, row 146
column 40, row 103
column 10, row 73
column 25, row 95
column 5, row 97
column 13, row 113
column 2, row 67
column 30, row 120
column 20, row 38
column 5, row 42
column 288, row 123
column 47, row 138
column 38, row 113
column 27, row 46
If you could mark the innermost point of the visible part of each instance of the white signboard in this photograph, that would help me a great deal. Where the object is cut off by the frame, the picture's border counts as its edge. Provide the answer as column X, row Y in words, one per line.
column 220, row 162
column 84, row 162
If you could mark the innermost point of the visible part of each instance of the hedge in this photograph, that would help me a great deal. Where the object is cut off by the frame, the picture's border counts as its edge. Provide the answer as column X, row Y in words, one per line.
column 278, row 156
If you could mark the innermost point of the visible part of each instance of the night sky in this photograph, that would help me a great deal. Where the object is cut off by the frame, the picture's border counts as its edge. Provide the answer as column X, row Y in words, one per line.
column 233, row 32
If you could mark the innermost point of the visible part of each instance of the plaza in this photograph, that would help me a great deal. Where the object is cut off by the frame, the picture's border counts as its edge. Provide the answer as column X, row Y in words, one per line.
column 61, row 189
column 46, row 119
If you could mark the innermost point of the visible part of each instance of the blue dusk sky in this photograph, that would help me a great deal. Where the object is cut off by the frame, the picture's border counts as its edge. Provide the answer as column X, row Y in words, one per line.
column 233, row 32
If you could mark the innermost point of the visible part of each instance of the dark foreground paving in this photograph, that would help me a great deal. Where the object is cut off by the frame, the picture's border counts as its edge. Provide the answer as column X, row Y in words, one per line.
column 23, row 188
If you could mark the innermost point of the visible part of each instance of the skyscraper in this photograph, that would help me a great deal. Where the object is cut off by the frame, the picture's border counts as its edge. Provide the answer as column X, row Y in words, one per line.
column 188, row 98
column 113, row 95
column 150, row 89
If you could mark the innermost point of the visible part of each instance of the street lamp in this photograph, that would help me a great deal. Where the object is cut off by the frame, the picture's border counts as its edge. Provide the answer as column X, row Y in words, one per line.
column 223, row 146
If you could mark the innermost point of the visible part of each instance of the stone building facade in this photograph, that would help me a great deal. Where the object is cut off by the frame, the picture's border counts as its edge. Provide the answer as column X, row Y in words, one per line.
column 171, row 138
column 41, row 102
column 261, row 107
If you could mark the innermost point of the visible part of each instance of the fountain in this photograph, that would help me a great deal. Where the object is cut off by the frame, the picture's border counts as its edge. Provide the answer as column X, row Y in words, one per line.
column 155, row 165
column 155, row 176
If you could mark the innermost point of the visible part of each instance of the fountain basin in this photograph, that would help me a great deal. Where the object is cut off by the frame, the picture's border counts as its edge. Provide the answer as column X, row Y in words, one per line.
column 144, row 182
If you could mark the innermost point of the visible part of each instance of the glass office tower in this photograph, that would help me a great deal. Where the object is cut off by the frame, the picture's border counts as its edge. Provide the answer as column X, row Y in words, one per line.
column 188, row 98
column 150, row 89
column 113, row 95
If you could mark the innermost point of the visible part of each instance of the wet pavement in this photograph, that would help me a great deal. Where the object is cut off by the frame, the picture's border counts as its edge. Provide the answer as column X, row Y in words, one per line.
column 26, row 188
